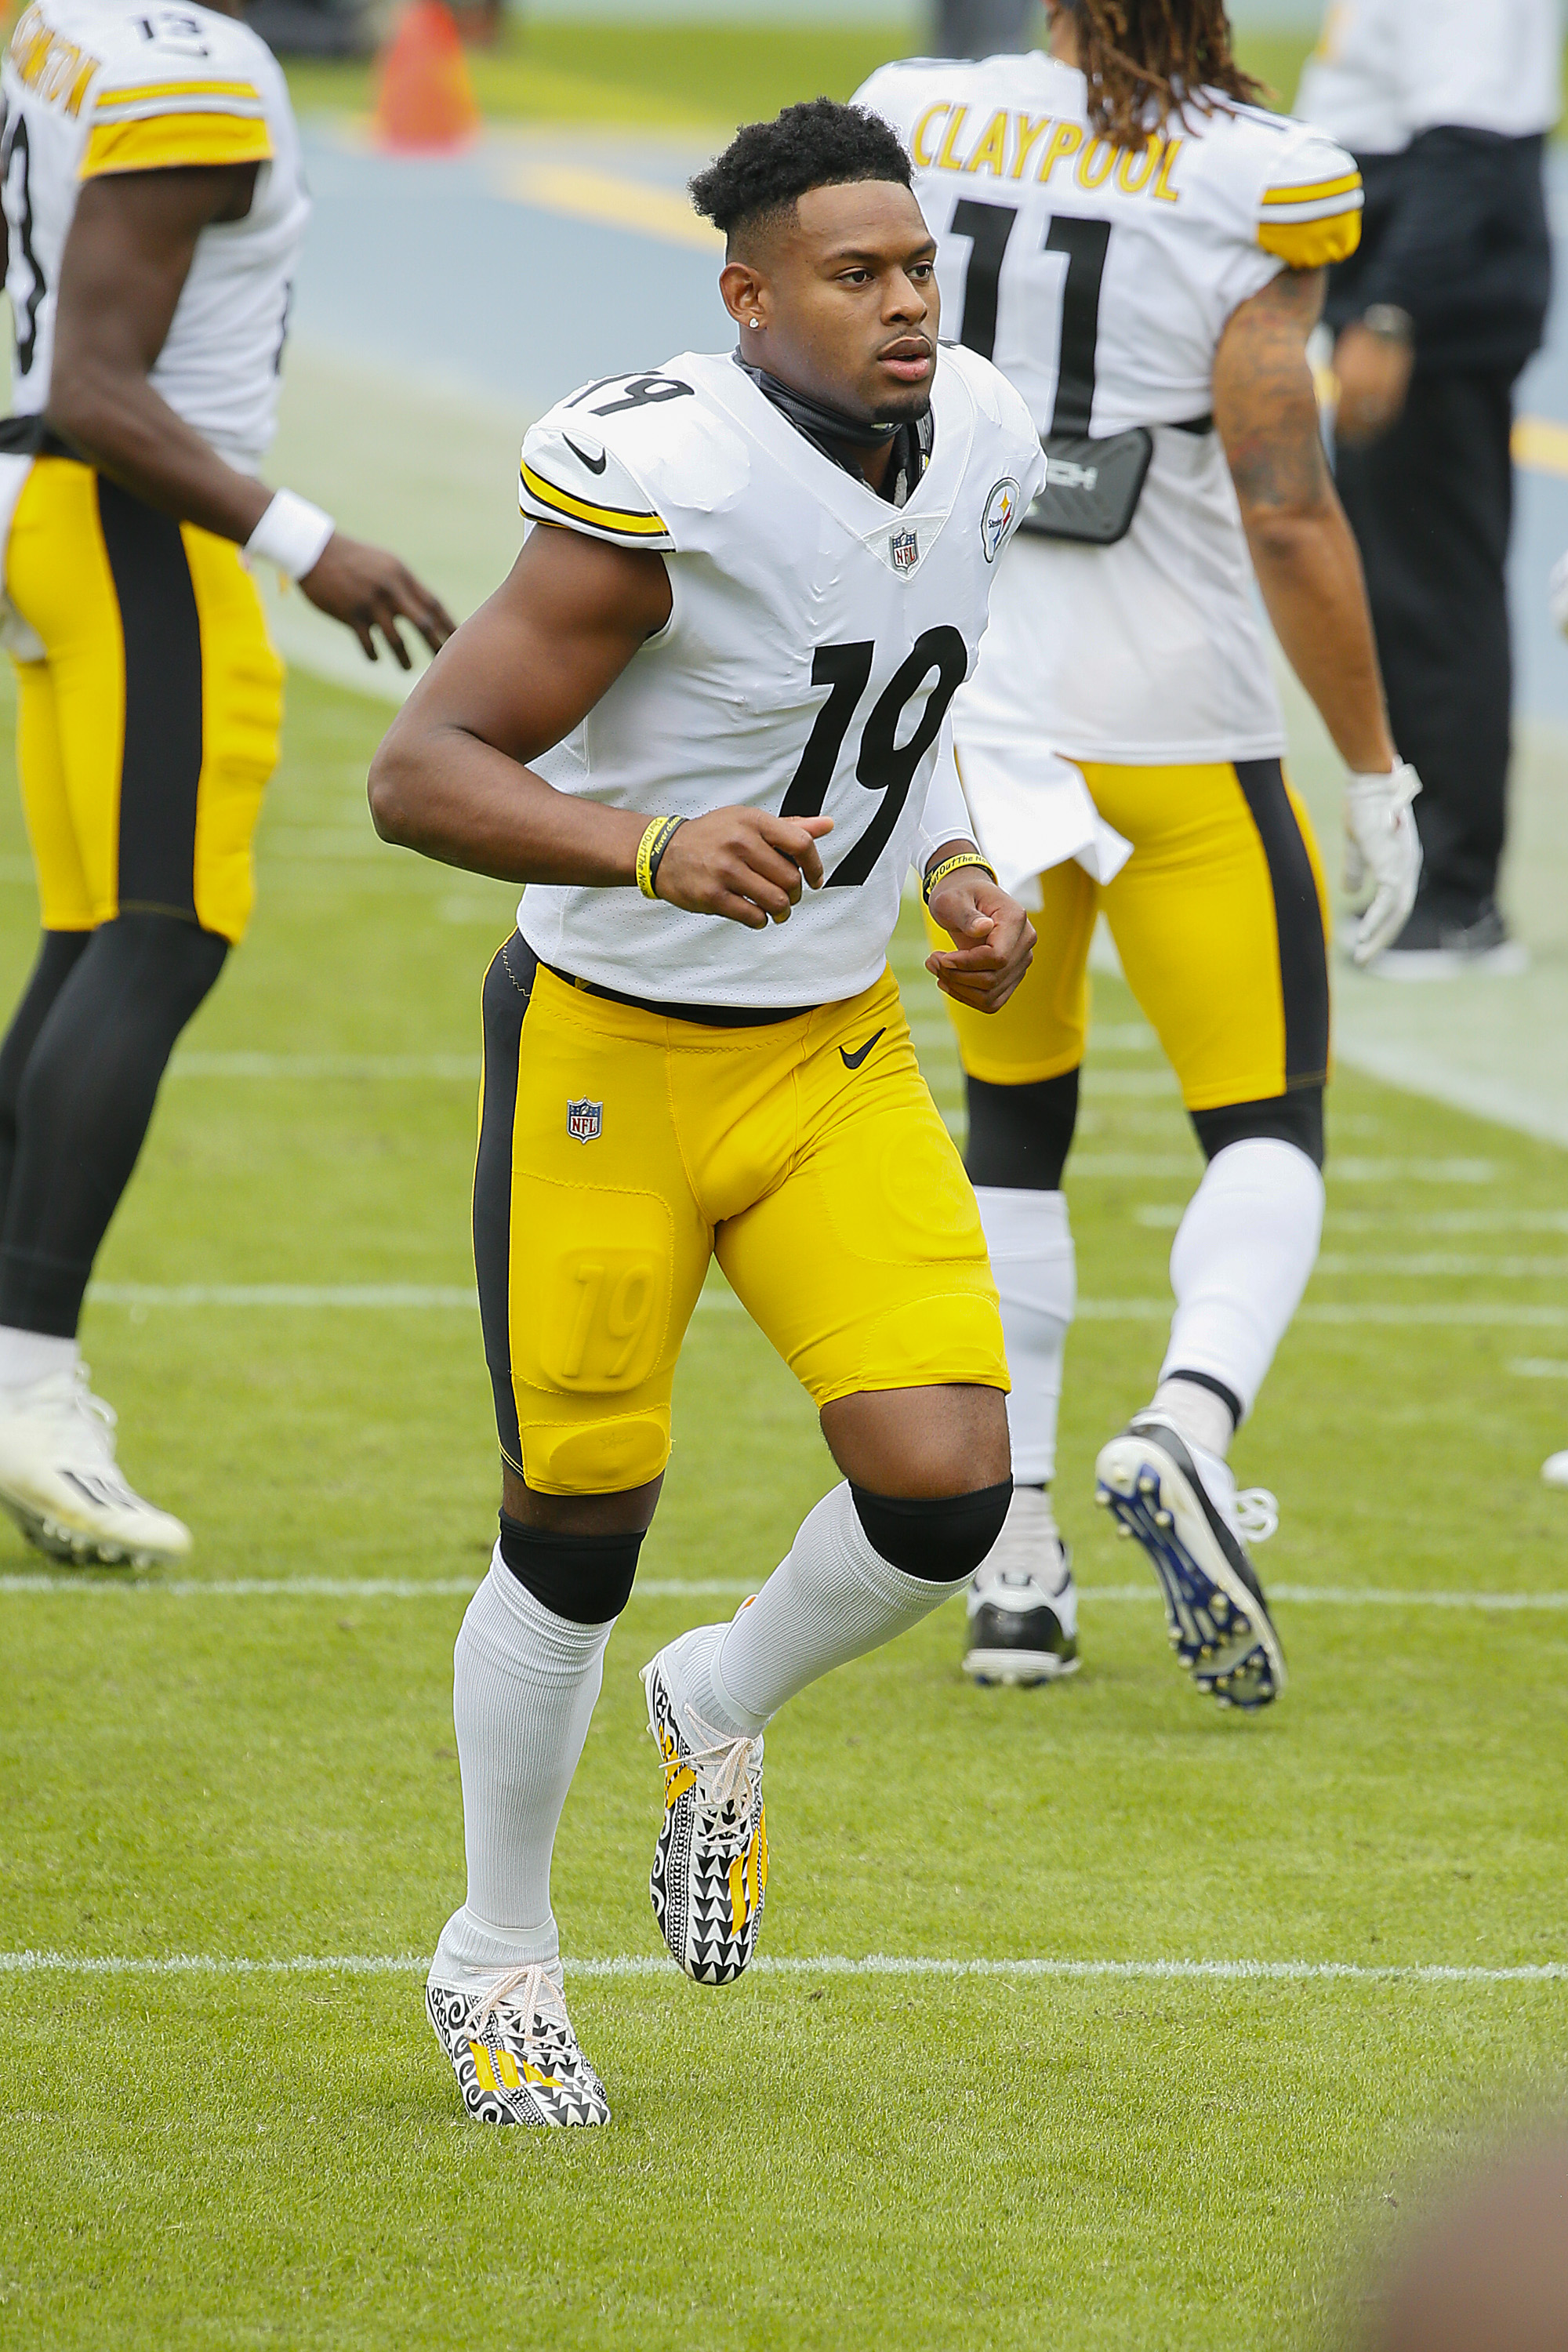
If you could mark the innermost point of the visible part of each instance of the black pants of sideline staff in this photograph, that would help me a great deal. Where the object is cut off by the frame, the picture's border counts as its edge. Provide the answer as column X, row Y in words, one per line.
column 1431, row 503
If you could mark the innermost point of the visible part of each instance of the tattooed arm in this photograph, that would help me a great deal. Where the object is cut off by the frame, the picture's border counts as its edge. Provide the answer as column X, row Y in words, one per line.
column 1302, row 550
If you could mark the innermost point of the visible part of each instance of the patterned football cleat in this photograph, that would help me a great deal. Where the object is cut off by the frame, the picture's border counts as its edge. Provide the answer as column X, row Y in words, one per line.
column 709, row 1874
column 60, row 1483
column 1022, row 1601
column 514, row 2052
column 1181, row 1504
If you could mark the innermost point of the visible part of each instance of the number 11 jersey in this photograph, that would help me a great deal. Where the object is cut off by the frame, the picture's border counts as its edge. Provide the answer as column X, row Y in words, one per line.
column 1100, row 280
column 816, row 638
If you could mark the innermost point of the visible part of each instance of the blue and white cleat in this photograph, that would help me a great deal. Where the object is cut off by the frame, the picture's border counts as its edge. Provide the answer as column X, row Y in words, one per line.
column 1181, row 1505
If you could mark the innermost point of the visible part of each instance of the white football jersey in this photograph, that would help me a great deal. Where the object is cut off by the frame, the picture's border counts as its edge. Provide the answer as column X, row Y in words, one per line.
column 1100, row 282
column 817, row 637
column 95, row 87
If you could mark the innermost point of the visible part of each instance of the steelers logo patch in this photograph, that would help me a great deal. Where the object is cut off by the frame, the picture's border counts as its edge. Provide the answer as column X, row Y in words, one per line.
column 996, row 522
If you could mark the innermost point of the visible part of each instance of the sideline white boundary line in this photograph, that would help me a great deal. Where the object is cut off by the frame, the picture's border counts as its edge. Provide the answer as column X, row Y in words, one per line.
column 655, row 1587
column 825, row 1964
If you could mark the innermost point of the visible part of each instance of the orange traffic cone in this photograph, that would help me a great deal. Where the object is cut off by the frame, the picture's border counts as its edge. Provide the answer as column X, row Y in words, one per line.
column 425, row 100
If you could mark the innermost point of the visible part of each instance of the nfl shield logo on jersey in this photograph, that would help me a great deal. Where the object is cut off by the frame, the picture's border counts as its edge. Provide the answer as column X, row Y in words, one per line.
column 904, row 547
column 997, row 520
column 585, row 1120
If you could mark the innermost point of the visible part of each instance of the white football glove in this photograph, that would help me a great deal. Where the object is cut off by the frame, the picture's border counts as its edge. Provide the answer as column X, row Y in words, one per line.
column 1557, row 594
column 1383, row 846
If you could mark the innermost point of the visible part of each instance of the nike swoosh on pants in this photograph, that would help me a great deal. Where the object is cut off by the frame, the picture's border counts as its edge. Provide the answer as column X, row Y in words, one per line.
column 853, row 1061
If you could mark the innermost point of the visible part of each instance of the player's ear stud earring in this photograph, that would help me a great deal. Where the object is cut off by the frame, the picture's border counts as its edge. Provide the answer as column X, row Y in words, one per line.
column 756, row 322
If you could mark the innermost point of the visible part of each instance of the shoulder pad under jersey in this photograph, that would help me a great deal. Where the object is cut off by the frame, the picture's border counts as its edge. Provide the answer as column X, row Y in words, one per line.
column 178, row 89
column 1308, row 208
column 641, row 460
column 1003, row 407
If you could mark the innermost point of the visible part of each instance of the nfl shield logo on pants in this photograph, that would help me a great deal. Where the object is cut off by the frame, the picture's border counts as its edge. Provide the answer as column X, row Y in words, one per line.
column 904, row 547
column 585, row 1120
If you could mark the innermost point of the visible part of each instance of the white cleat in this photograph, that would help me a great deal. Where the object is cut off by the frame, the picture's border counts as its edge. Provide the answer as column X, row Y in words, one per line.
column 514, row 2052
column 59, row 1481
column 710, row 1874
column 1183, row 1507
column 1554, row 1469
column 1022, row 1601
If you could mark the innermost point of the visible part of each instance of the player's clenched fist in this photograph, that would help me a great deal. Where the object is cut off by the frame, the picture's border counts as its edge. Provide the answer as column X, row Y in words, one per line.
column 993, row 940
column 743, row 864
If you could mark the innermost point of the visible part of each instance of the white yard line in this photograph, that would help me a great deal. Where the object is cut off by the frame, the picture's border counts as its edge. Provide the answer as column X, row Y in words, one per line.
column 1462, row 1314
column 463, row 1067
column 284, row 1294
column 1347, row 1170
column 655, row 1587
column 826, row 1964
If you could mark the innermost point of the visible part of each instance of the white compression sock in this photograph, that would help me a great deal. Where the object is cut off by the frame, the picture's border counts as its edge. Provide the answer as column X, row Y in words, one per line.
column 1240, row 1261
column 30, row 1355
column 833, row 1599
column 524, row 1684
column 1030, row 1242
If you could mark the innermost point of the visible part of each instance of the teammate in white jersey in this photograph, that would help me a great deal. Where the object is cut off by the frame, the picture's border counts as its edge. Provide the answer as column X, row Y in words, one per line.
column 153, row 212
column 1142, row 251
column 701, row 721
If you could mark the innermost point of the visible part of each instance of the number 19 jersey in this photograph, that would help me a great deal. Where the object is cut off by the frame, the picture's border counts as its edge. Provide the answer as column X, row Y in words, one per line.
column 816, row 638
column 1101, row 280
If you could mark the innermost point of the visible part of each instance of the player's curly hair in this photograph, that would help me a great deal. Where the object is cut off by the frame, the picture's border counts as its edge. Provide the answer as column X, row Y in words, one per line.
column 1144, row 60
column 768, row 166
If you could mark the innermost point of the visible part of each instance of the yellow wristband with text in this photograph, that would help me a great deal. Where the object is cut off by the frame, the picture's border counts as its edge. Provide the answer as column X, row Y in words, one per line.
column 651, row 849
column 950, row 865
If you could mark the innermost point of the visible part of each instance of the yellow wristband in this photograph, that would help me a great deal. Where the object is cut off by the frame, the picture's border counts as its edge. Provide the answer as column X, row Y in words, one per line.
column 651, row 849
column 950, row 865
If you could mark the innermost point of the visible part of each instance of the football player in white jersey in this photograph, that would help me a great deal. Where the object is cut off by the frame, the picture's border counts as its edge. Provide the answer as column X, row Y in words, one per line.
column 1142, row 250
column 154, row 215
column 701, row 721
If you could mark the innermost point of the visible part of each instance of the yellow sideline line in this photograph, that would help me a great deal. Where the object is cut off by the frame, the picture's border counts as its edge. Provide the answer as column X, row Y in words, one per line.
column 1541, row 444
column 641, row 205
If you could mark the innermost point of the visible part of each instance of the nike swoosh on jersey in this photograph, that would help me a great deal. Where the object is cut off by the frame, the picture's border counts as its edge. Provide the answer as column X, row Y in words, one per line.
column 595, row 465
column 852, row 1060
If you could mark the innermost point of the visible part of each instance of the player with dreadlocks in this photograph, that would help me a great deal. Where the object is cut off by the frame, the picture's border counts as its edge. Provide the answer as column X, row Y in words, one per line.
column 1142, row 249
column 1148, row 60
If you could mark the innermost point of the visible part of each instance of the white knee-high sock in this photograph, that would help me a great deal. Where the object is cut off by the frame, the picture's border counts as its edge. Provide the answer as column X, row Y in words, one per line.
column 1240, row 1261
column 524, row 1684
column 1030, row 1242
column 831, row 1600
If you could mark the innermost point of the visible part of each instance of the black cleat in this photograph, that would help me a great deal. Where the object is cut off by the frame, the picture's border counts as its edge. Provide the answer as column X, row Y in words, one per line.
column 1023, row 1603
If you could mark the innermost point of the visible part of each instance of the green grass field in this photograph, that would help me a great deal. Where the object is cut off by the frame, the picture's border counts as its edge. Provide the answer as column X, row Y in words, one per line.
column 275, row 2158
column 646, row 74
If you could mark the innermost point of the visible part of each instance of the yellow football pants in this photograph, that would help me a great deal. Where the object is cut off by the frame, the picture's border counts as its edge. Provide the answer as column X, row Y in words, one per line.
column 1220, row 918
column 146, row 736
column 621, row 1149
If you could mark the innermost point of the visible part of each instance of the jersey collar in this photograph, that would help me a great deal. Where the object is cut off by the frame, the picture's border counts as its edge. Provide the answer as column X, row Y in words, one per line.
column 888, row 531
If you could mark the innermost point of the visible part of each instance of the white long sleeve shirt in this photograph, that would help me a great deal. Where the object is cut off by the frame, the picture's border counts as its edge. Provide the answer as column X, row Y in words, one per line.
column 1386, row 70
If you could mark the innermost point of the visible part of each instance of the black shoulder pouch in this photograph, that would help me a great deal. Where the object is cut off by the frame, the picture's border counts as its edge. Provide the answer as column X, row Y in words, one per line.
column 1091, row 488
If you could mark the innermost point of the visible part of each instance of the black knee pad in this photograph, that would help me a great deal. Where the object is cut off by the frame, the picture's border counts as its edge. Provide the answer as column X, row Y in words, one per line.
column 943, row 1538
column 1019, row 1137
column 1296, row 1117
column 586, row 1578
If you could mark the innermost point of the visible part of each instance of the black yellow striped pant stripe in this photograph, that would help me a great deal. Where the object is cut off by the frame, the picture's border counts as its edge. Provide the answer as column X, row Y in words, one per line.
column 1220, row 918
